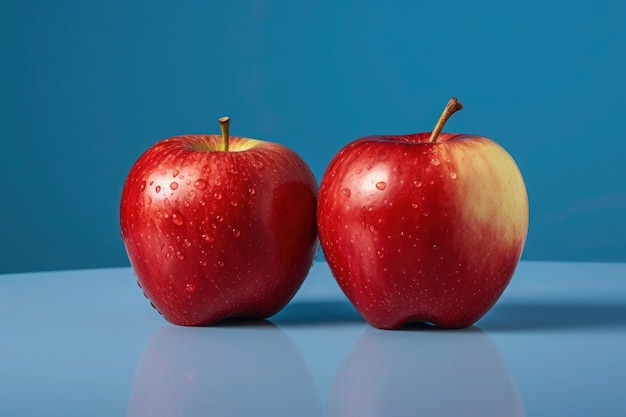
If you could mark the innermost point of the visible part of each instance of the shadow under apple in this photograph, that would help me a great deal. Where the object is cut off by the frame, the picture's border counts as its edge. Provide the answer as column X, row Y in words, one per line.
column 423, row 370
column 554, row 315
column 222, row 371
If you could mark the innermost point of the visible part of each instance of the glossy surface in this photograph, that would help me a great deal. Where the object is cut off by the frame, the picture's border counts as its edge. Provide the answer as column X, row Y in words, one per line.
column 87, row 343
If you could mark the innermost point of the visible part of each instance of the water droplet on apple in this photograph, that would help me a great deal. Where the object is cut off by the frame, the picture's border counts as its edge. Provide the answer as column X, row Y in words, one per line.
column 191, row 194
column 190, row 287
column 236, row 232
column 257, row 164
column 435, row 162
column 220, row 263
column 207, row 238
column 203, row 262
column 180, row 256
column 175, row 172
column 252, row 191
column 217, row 195
column 143, row 185
column 177, row 219
column 436, row 247
column 200, row 184
column 217, row 182
column 373, row 229
column 187, row 204
column 358, row 171
column 414, row 205
column 158, row 189
column 166, row 202
column 167, row 255
column 219, row 218
column 206, row 169
column 187, row 242
column 381, row 185
column 174, row 185
column 453, row 175
column 417, row 184
column 380, row 254
column 346, row 192
column 234, row 203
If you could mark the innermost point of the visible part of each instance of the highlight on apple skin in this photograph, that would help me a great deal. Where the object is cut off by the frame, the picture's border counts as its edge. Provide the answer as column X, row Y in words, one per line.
column 423, row 227
column 218, row 227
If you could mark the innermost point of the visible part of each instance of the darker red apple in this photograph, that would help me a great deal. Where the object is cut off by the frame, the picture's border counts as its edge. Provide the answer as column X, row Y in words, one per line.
column 218, row 226
column 423, row 227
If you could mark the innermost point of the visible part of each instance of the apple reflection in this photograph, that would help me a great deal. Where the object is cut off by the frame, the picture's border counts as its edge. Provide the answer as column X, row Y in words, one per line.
column 222, row 371
column 427, row 372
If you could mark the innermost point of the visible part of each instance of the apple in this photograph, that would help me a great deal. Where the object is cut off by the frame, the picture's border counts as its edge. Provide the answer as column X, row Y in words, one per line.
column 423, row 227
column 218, row 226
column 427, row 372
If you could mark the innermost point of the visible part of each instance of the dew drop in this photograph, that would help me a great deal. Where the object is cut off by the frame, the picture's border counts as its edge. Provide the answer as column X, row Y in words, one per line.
column 380, row 254
column 158, row 189
column 187, row 243
column 207, row 238
column 220, row 263
column 236, row 232
column 381, row 185
column 175, row 172
column 180, row 256
column 174, row 185
column 217, row 195
column 346, row 192
column 373, row 229
column 252, row 191
column 258, row 164
column 167, row 255
column 234, row 203
column 358, row 171
column 200, row 184
column 417, row 184
column 435, row 162
column 206, row 169
column 190, row 287
column 219, row 218
column 203, row 262
column 177, row 219
column 453, row 175
column 436, row 247
column 414, row 205
column 166, row 202
column 143, row 185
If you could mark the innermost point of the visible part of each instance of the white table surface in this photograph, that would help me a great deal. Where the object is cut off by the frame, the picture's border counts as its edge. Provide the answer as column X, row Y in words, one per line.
column 87, row 343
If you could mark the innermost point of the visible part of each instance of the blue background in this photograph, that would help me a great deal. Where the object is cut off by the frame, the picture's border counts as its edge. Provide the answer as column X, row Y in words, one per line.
column 86, row 87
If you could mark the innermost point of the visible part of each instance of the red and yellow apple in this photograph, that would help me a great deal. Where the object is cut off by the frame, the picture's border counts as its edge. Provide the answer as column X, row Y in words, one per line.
column 423, row 227
column 218, row 226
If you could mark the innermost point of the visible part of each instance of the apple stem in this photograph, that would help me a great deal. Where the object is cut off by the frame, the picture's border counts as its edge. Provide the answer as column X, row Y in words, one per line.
column 453, row 106
column 224, row 125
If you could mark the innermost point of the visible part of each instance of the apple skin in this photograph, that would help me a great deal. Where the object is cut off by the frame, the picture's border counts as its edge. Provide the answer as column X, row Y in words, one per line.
column 216, row 234
column 421, row 231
